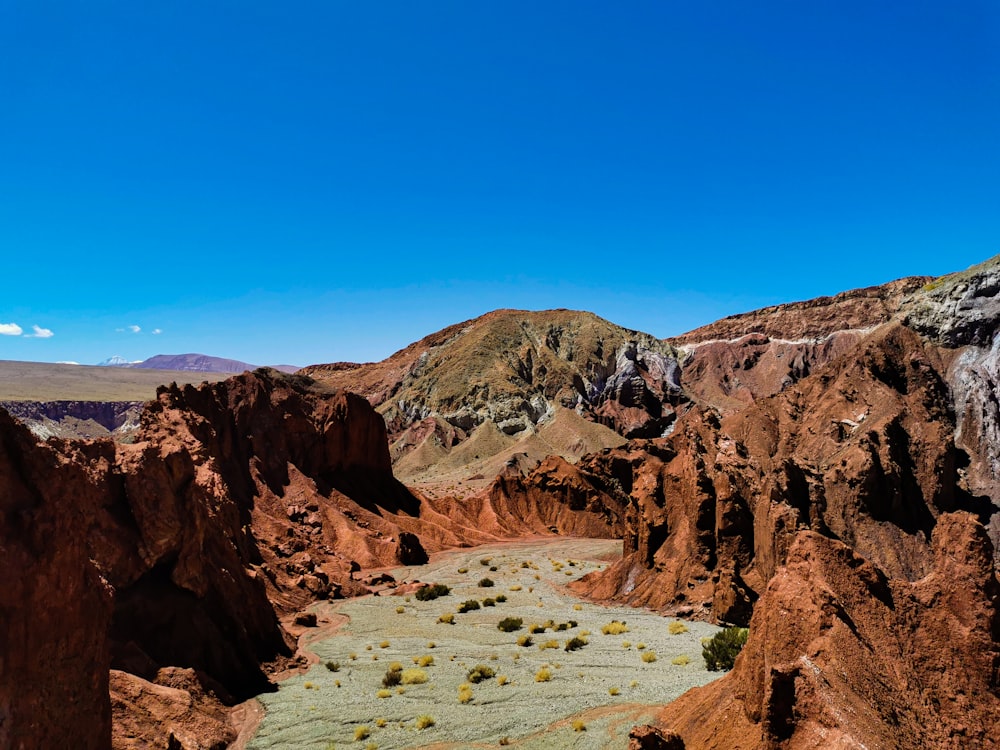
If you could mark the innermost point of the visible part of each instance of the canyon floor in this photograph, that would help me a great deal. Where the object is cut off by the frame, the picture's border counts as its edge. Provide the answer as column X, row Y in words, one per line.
column 606, row 686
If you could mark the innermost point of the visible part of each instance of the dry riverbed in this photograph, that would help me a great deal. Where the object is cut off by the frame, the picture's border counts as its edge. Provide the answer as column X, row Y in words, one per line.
column 595, row 694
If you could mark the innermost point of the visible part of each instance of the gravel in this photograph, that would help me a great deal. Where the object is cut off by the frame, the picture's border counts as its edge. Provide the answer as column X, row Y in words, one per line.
column 311, row 711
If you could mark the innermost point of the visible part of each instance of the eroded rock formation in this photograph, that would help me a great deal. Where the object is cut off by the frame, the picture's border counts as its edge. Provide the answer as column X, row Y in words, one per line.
column 843, row 655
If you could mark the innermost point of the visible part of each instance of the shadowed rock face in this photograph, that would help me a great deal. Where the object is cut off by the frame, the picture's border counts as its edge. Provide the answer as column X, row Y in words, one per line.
column 843, row 655
column 186, row 528
column 54, row 606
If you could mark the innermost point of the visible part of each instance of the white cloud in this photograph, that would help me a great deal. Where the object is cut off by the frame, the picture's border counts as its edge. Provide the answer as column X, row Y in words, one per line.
column 10, row 329
column 157, row 331
column 134, row 329
column 40, row 333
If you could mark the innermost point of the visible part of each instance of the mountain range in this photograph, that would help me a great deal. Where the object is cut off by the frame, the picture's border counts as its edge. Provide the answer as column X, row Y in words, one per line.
column 825, row 472
column 191, row 363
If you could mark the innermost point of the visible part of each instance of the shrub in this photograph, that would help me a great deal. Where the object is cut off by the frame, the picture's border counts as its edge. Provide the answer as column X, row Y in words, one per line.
column 465, row 693
column 333, row 666
column 463, row 570
column 676, row 628
column 485, row 561
column 431, row 644
column 575, row 643
column 493, row 569
column 432, row 591
column 721, row 650
column 613, row 691
column 562, row 626
column 425, row 661
column 641, row 646
column 501, row 598
column 578, row 607
column 352, row 656
column 487, row 602
column 543, row 675
column 524, row 640
column 448, row 618
column 361, row 733
column 614, row 628
column 535, row 628
column 380, row 722
column 414, row 676
column 510, row 624
column 485, row 583
column 384, row 644
column 649, row 657
column 424, row 721
column 468, row 605
column 515, row 587
column 393, row 676
column 548, row 644
column 502, row 680
column 579, row 725
column 383, row 693
column 310, row 686
column 479, row 673
column 681, row 661
column 400, row 610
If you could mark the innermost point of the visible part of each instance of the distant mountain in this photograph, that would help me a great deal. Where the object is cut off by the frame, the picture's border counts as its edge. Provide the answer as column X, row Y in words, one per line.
column 191, row 363
column 115, row 361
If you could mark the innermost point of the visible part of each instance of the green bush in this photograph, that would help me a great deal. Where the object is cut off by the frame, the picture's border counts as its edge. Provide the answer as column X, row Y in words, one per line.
column 432, row 591
column 485, row 583
column 721, row 650
column 488, row 602
column 575, row 643
column 510, row 624
column 479, row 673
column 468, row 605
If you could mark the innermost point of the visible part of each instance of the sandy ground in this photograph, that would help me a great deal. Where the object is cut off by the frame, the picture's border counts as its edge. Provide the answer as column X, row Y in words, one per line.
column 322, row 709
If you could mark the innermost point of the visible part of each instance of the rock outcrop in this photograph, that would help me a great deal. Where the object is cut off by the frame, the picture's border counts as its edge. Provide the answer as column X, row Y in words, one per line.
column 843, row 655
column 55, row 608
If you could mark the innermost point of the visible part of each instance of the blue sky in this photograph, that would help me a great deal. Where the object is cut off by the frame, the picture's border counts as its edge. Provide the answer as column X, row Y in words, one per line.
column 321, row 181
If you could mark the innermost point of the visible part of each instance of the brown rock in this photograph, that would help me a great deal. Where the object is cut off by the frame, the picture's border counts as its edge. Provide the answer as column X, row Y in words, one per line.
column 840, row 655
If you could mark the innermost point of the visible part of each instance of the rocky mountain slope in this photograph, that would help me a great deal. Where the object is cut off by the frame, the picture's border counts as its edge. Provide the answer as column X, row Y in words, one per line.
column 514, row 370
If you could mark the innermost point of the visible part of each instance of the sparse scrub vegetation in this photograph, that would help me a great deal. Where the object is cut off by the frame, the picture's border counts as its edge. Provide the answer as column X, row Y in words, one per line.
column 676, row 628
column 534, row 628
column 468, row 606
column 383, row 693
column 649, row 657
column 424, row 721
column 485, row 583
column 721, row 650
column 414, row 676
column 613, row 691
column 400, row 610
column 614, row 628
column 425, row 661
column 448, row 618
column 543, row 675
column 487, row 602
column 579, row 725
column 393, row 675
column 465, row 694
column 524, row 640
column 463, row 570
column 479, row 673
column 681, row 661
column 575, row 643
column 501, row 598
column 361, row 733
column 333, row 666
column 548, row 644
column 510, row 624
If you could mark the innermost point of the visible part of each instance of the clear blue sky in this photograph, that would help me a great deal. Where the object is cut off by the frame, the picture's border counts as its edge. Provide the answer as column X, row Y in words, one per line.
column 319, row 181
